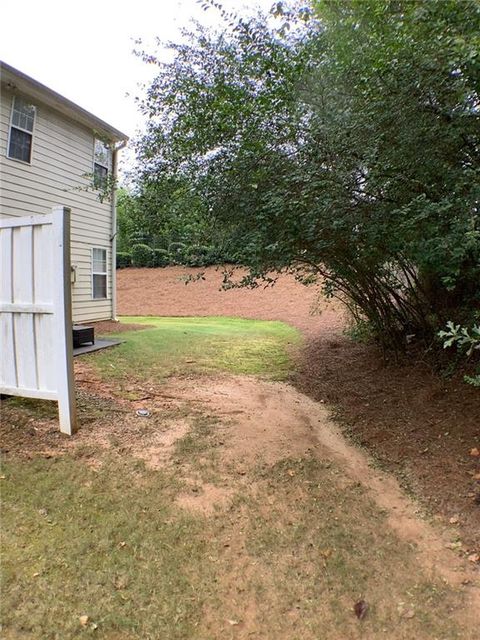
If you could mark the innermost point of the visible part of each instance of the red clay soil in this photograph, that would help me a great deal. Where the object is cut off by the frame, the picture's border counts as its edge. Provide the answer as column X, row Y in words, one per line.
column 415, row 422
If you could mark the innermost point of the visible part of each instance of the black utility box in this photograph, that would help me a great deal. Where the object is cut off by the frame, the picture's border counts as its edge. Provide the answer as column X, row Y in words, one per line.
column 82, row 335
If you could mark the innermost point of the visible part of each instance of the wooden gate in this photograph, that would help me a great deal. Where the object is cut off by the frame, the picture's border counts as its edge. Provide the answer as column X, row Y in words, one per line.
column 36, row 311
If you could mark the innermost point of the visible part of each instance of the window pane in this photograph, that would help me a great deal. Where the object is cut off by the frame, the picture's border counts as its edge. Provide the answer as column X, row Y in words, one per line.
column 23, row 114
column 99, row 257
column 99, row 286
column 99, row 176
column 102, row 153
column 20, row 146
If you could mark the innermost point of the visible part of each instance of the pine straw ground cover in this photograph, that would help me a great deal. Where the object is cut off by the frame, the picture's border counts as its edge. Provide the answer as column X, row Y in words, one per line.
column 207, row 536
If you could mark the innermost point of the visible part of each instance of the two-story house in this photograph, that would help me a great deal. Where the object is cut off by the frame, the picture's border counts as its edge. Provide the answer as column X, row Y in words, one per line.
column 53, row 152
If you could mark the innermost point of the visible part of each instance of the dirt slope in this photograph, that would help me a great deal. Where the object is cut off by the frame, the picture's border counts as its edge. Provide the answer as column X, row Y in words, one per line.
column 163, row 292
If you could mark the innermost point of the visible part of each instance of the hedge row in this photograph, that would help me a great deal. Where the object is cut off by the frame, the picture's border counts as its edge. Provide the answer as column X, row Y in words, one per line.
column 194, row 256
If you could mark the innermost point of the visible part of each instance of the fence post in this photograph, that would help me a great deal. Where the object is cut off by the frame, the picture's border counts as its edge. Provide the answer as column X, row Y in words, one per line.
column 63, row 313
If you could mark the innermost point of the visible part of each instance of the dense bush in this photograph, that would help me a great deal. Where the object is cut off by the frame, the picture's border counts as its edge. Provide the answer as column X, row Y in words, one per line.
column 198, row 256
column 177, row 252
column 142, row 255
column 124, row 260
column 161, row 258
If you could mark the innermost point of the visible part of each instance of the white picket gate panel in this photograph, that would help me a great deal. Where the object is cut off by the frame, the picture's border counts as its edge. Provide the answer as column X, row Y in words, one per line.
column 36, row 311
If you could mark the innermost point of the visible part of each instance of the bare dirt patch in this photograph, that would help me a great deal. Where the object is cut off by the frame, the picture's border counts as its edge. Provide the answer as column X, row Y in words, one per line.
column 205, row 500
column 104, row 327
column 260, row 421
column 266, row 422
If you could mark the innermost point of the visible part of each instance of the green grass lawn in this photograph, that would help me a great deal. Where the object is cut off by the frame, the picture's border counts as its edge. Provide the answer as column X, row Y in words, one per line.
column 178, row 346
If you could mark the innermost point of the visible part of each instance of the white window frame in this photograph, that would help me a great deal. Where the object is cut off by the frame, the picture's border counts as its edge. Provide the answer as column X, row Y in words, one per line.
column 30, row 133
column 99, row 273
column 107, row 165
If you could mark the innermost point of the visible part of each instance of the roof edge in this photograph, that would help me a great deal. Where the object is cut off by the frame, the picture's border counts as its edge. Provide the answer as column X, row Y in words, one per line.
column 25, row 84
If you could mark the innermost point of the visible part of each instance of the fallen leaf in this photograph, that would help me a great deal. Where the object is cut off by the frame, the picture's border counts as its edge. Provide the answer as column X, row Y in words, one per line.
column 360, row 608
column 36, row 574
column 233, row 623
column 84, row 620
column 475, row 452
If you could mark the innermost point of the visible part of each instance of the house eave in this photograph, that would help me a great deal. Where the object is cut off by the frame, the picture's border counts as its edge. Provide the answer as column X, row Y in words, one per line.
column 15, row 80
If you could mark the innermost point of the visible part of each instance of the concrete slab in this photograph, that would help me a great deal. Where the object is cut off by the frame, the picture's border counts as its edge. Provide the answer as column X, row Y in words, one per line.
column 99, row 344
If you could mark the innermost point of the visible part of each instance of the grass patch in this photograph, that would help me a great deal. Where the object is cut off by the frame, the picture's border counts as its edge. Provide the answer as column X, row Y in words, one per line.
column 79, row 542
column 178, row 346
column 287, row 559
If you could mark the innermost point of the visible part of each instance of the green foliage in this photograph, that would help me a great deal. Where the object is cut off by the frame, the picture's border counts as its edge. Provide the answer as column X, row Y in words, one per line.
column 161, row 258
column 198, row 256
column 344, row 147
column 176, row 251
column 142, row 255
column 124, row 260
column 467, row 341
column 125, row 220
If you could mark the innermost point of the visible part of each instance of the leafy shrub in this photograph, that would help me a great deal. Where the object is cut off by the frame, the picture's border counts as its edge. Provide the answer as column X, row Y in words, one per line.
column 221, row 255
column 467, row 341
column 124, row 260
column 197, row 256
column 177, row 252
column 142, row 255
column 161, row 258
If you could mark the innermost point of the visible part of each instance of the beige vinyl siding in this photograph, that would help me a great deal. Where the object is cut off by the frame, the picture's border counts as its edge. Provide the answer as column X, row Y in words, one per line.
column 62, row 155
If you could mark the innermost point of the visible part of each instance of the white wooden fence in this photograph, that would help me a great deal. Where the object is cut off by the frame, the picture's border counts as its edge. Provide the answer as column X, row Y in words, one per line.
column 35, row 311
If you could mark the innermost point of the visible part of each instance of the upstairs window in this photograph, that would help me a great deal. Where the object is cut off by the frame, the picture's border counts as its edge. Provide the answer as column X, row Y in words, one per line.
column 21, row 130
column 99, row 273
column 101, row 164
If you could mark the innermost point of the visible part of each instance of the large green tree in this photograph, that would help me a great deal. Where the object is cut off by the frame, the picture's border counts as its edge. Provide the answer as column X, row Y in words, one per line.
column 342, row 143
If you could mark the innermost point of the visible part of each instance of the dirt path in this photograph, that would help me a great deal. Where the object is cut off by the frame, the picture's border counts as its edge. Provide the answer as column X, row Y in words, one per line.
column 268, row 421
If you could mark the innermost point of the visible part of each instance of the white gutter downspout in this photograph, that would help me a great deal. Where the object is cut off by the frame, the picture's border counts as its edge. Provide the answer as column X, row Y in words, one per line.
column 115, row 151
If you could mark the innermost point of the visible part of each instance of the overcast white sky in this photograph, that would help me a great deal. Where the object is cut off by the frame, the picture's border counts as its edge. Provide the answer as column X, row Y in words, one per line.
column 83, row 50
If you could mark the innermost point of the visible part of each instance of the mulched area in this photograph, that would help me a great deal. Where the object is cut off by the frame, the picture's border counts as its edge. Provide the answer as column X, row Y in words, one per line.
column 415, row 422
column 104, row 327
